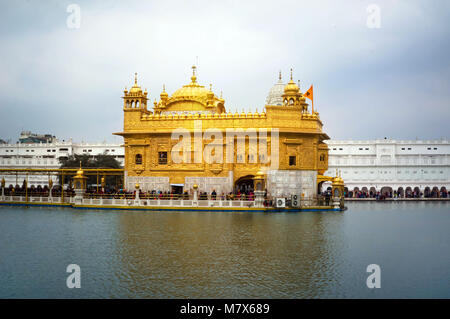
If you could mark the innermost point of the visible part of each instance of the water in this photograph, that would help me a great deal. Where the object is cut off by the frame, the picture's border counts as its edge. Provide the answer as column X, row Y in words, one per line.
column 227, row 255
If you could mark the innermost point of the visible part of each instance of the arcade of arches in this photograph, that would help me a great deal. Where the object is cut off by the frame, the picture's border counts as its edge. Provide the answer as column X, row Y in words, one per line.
column 431, row 191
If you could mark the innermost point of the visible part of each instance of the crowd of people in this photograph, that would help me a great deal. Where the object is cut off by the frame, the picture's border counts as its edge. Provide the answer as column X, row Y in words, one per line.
column 245, row 195
column 167, row 195
column 96, row 192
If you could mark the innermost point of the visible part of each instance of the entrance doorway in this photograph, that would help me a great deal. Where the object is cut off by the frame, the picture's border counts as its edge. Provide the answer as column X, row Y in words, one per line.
column 177, row 188
column 244, row 184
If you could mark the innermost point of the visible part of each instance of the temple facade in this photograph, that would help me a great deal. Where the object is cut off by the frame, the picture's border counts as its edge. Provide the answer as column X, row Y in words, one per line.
column 188, row 138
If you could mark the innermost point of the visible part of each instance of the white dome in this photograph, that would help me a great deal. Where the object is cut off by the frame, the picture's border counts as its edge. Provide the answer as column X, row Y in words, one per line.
column 274, row 97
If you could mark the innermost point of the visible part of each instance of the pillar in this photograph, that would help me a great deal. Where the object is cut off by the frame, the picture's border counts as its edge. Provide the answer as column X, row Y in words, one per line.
column 258, row 182
column 3, row 188
column 195, row 198
column 136, row 197
column 79, row 182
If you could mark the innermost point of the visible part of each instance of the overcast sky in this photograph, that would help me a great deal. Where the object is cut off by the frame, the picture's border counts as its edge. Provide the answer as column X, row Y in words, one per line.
column 392, row 81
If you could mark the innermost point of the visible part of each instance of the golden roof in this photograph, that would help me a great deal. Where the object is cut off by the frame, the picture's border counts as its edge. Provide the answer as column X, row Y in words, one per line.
column 260, row 173
column 291, row 87
column 135, row 88
column 194, row 97
column 191, row 90
column 80, row 172
column 164, row 93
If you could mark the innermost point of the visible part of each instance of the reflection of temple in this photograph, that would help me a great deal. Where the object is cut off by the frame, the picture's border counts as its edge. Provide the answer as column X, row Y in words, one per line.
column 287, row 130
column 297, row 252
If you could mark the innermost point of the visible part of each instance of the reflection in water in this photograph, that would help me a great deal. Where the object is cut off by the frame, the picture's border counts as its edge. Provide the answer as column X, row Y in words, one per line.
column 227, row 255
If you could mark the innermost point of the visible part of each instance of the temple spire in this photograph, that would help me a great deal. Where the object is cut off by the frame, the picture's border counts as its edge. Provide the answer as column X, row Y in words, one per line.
column 135, row 78
column 194, row 76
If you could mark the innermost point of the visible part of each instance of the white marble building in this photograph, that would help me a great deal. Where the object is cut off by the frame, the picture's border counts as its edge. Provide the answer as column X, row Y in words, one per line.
column 368, row 166
column 47, row 155
column 387, row 165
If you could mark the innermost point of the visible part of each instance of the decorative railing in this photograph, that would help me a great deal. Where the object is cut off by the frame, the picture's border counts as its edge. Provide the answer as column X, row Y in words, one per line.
column 131, row 200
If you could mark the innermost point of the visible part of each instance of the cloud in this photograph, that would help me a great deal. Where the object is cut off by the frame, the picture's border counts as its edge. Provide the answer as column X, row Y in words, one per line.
column 391, row 81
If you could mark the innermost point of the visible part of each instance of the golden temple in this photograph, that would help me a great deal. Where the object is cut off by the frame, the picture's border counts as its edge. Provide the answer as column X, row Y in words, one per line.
column 188, row 138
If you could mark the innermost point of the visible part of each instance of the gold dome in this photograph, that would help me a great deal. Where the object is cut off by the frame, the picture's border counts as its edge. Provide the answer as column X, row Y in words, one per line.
column 135, row 88
column 210, row 94
column 80, row 172
column 164, row 93
column 192, row 90
column 338, row 181
column 194, row 97
column 291, row 87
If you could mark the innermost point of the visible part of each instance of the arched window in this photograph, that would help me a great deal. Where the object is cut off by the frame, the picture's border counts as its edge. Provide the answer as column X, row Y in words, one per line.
column 291, row 102
column 138, row 159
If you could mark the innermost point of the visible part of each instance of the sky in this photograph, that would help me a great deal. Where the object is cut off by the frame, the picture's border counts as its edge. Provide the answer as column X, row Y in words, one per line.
column 382, row 72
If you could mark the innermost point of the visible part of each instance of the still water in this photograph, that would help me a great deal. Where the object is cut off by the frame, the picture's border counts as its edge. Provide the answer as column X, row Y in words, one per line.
column 227, row 255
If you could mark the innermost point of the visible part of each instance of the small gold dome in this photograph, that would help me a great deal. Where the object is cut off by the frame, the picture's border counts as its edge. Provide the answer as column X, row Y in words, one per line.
column 164, row 93
column 80, row 172
column 260, row 173
column 291, row 87
column 195, row 186
column 135, row 88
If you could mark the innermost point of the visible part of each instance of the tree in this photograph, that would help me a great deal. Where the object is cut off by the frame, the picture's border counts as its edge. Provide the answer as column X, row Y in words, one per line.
column 87, row 161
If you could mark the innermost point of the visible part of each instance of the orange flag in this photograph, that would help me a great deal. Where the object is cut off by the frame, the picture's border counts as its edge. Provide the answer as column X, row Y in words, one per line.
column 309, row 95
